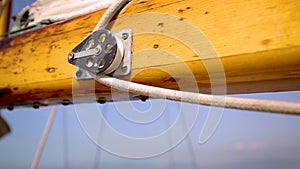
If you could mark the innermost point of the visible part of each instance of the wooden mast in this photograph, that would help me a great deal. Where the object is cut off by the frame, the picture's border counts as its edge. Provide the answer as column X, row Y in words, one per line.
column 4, row 18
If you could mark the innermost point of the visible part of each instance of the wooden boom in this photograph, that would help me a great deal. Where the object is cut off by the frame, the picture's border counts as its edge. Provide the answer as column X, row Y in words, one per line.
column 258, row 43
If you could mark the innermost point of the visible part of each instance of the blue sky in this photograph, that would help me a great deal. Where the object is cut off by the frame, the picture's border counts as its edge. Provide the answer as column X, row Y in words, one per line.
column 242, row 140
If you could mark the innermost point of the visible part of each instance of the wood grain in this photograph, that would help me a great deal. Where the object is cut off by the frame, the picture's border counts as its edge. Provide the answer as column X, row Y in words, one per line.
column 258, row 43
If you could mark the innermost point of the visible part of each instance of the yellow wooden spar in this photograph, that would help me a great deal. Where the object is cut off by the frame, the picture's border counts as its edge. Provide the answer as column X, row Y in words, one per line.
column 258, row 43
column 4, row 18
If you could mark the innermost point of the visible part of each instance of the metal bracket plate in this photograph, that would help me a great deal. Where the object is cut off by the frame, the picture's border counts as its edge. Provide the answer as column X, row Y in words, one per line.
column 124, row 68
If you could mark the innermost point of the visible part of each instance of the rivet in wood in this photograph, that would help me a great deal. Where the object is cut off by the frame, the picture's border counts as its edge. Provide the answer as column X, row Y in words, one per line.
column 101, row 101
column 65, row 102
column 36, row 105
column 10, row 107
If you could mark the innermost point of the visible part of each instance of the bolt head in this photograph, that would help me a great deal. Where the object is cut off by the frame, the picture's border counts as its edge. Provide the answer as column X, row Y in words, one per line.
column 101, row 101
column 51, row 69
column 124, row 36
column 10, row 107
column 53, row 46
column 65, row 102
column 36, row 105
column 78, row 73
column 144, row 98
column 124, row 68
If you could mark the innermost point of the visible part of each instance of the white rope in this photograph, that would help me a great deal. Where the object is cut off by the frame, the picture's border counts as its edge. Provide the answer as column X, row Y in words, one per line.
column 279, row 107
column 203, row 99
column 109, row 14
column 44, row 138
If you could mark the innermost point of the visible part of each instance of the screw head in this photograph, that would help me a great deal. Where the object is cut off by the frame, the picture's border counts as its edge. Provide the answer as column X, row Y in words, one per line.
column 36, row 105
column 53, row 46
column 78, row 73
column 10, row 107
column 144, row 98
column 124, row 36
column 101, row 101
column 124, row 68
column 51, row 69
column 65, row 102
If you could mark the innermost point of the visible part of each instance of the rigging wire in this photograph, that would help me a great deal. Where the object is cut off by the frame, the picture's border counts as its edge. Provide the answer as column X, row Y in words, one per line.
column 4, row 127
column 279, row 107
column 170, row 153
column 65, row 139
column 191, row 151
column 43, row 140
column 190, row 146
column 98, row 153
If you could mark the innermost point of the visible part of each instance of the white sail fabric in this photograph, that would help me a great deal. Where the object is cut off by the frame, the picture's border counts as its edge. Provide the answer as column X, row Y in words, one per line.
column 48, row 11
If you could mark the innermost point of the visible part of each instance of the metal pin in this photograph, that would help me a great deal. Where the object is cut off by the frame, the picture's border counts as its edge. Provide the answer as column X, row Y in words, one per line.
column 71, row 56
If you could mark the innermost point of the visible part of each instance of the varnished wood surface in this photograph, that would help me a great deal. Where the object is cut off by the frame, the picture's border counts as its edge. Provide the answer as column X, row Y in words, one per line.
column 258, row 43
